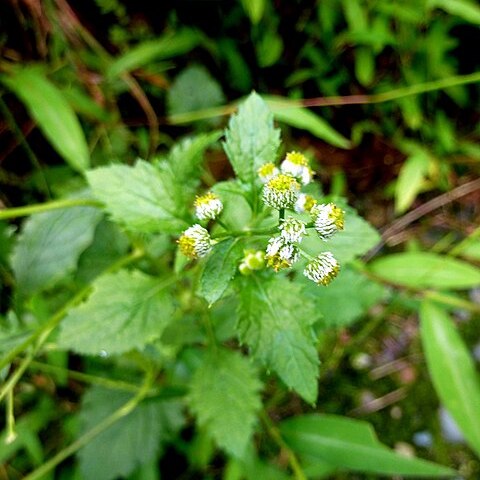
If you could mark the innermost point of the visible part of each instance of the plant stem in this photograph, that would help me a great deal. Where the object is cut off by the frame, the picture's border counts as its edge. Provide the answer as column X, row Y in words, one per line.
column 246, row 233
column 11, row 434
column 123, row 411
column 272, row 430
column 47, row 206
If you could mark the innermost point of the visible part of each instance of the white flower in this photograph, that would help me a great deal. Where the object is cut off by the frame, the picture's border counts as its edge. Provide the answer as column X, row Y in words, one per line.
column 304, row 203
column 280, row 254
column 208, row 206
column 195, row 242
column 281, row 191
column 296, row 165
column 328, row 219
column 267, row 172
column 292, row 230
column 323, row 269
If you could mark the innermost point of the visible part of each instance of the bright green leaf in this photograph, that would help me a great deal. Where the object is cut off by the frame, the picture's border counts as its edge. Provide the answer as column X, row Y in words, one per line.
column 144, row 198
column 126, row 310
column 52, row 112
column 468, row 10
column 410, row 180
column 348, row 443
column 220, row 268
column 425, row 269
column 224, row 396
column 274, row 320
column 166, row 46
column 251, row 138
column 452, row 370
column 236, row 210
column 130, row 442
column 49, row 246
column 301, row 117
column 254, row 9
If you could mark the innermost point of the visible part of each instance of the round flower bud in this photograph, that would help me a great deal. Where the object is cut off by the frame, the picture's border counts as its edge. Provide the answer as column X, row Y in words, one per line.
column 208, row 206
column 292, row 230
column 296, row 165
column 304, row 203
column 280, row 254
column 267, row 172
column 281, row 191
column 195, row 242
column 323, row 269
column 328, row 219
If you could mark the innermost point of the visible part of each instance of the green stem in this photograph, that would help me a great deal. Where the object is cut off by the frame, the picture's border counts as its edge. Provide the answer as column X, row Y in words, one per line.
column 11, row 434
column 274, row 433
column 223, row 225
column 123, row 411
column 47, row 206
column 246, row 233
column 9, row 385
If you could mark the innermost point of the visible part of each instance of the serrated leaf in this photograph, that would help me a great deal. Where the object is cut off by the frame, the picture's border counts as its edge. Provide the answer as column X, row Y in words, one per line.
column 251, row 139
column 410, row 180
column 352, row 444
column 126, row 310
column 452, row 370
column 301, row 117
column 236, row 210
column 220, row 268
column 49, row 246
column 357, row 239
column 166, row 46
column 52, row 112
column 274, row 320
column 224, row 396
column 132, row 441
column 339, row 309
column 426, row 269
column 144, row 198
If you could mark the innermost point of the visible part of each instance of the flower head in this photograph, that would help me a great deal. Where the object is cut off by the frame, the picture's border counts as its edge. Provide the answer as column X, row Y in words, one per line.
column 296, row 164
column 195, row 242
column 208, row 206
column 322, row 269
column 267, row 171
column 328, row 219
column 292, row 230
column 281, row 191
column 304, row 203
column 280, row 254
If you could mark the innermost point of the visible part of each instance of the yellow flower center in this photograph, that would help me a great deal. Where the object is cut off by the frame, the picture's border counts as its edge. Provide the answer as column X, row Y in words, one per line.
column 297, row 158
column 205, row 199
column 266, row 170
column 187, row 246
column 283, row 183
column 337, row 216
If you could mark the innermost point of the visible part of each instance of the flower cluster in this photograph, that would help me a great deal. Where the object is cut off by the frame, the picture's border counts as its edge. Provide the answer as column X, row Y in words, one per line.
column 281, row 190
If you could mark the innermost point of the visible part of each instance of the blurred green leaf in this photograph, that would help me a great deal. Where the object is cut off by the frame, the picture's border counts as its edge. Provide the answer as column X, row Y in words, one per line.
column 224, row 396
column 255, row 9
column 126, row 310
column 52, row 112
column 301, row 117
column 352, row 444
column 166, row 46
column 453, row 371
column 468, row 10
column 130, row 442
column 219, row 269
column 410, row 180
column 269, row 49
column 425, row 269
column 50, row 245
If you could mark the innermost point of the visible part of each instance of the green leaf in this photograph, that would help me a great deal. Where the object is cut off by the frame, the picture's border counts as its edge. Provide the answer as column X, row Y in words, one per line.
column 425, row 269
column 452, row 370
column 269, row 48
column 352, row 444
column 126, row 310
column 224, row 396
column 236, row 210
column 52, row 112
column 49, row 246
column 255, row 9
column 220, row 268
column 274, row 320
column 194, row 89
column 167, row 46
column 410, row 180
column 130, row 442
column 144, row 198
column 468, row 10
column 251, row 139
column 300, row 117
column 357, row 239
column 340, row 309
